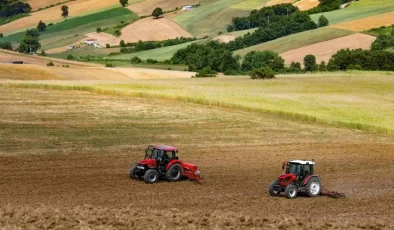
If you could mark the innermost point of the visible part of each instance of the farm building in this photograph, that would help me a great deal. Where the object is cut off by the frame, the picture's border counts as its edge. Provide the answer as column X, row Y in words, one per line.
column 90, row 41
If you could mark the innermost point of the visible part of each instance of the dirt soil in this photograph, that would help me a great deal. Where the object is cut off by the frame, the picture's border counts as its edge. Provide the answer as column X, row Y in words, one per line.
column 368, row 23
column 323, row 51
column 50, row 180
column 150, row 29
column 306, row 4
column 37, row 4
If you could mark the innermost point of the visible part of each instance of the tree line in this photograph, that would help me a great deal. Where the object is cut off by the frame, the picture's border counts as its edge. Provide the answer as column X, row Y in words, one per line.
column 9, row 8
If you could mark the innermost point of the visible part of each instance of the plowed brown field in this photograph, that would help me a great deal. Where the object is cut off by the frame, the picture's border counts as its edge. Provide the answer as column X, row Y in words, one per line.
column 64, row 159
column 150, row 29
column 37, row 4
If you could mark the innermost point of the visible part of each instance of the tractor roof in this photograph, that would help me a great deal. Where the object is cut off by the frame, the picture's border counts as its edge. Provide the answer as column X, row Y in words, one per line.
column 165, row 148
column 302, row 162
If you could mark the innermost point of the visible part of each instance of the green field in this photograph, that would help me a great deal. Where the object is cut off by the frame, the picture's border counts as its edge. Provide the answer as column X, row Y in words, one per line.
column 159, row 54
column 357, row 10
column 298, row 40
column 85, row 52
column 80, row 25
column 250, row 4
column 359, row 100
column 196, row 22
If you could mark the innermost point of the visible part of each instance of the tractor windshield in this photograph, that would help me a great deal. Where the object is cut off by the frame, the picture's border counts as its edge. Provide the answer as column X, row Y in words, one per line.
column 151, row 153
column 294, row 169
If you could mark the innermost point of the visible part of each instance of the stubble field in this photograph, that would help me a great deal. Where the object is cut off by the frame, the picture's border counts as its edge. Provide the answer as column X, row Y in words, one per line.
column 65, row 155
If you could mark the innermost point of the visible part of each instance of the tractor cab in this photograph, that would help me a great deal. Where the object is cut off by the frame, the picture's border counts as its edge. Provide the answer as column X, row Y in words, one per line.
column 300, row 168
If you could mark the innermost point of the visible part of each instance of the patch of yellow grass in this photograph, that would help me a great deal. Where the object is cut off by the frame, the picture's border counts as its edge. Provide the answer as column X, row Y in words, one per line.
column 27, row 72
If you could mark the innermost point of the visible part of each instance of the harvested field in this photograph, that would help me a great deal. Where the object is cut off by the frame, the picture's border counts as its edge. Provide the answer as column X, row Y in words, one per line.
column 150, row 29
column 306, row 4
column 250, row 4
column 324, row 50
column 8, row 56
column 104, row 38
column 27, row 72
column 53, row 14
column 226, row 38
column 77, row 148
column 142, row 73
column 37, row 4
column 295, row 41
column 368, row 23
column 146, row 7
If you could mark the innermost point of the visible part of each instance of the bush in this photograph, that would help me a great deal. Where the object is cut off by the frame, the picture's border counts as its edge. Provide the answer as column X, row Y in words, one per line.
column 151, row 61
column 206, row 72
column 99, row 30
column 43, row 53
column 136, row 60
column 109, row 65
column 122, row 44
column 70, row 57
column 117, row 33
column 5, row 45
column 50, row 64
column 1, row 35
column 262, row 73
column 107, row 46
column 323, row 21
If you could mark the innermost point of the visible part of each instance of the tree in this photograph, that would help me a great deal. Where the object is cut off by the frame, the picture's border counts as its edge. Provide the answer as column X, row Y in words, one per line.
column 5, row 45
column 257, row 59
column 1, row 35
column 295, row 67
column 310, row 63
column 70, row 57
column 322, row 66
column 122, row 43
column 64, row 11
column 41, row 26
column 30, row 43
column 124, row 2
column 323, row 21
column 262, row 73
column 43, row 53
column 99, row 30
column 157, row 12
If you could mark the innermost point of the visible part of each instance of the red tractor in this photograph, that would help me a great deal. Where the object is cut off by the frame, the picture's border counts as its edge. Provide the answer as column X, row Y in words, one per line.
column 299, row 178
column 163, row 162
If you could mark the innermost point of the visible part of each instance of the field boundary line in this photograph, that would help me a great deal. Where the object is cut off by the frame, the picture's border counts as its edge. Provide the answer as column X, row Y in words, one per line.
column 202, row 101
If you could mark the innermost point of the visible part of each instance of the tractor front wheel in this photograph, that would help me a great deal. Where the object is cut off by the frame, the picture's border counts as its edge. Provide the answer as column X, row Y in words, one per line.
column 174, row 173
column 313, row 187
column 291, row 191
column 133, row 173
column 151, row 176
column 274, row 190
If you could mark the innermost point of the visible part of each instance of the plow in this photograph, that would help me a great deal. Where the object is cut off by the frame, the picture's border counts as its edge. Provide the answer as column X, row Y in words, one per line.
column 332, row 194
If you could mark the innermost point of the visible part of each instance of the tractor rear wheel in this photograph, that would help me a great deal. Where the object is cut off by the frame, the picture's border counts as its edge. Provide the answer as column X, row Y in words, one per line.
column 291, row 191
column 133, row 174
column 313, row 187
column 174, row 173
column 151, row 176
column 274, row 190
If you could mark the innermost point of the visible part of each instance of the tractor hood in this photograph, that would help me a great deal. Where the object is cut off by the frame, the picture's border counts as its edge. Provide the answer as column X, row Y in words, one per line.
column 287, row 176
column 151, row 163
